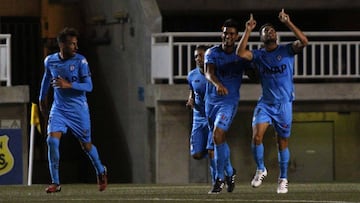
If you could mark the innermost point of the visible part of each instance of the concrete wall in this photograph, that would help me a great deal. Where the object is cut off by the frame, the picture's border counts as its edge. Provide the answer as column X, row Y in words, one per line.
column 324, row 134
column 14, row 108
column 123, row 69
column 142, row 130
column 154, row 132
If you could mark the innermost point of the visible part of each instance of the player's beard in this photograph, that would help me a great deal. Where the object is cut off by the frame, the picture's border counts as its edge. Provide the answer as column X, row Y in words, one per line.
column 270, row 41
column 228, row 45
column 227, row 42
column 68, row 54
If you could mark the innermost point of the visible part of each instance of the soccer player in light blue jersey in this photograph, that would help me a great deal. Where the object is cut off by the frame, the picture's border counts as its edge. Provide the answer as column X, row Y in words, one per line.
column 69, row 75
column 275, row 64
column 196, row 101
column 224, row 70
column 201, row 144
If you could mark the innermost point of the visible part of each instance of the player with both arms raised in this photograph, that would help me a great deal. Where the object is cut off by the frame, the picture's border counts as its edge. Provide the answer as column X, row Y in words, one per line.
column 275, row 65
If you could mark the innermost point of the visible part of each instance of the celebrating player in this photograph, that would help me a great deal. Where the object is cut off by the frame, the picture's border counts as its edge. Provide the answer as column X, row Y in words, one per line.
column 200, row 132
column 276, row 65
column 224, row 71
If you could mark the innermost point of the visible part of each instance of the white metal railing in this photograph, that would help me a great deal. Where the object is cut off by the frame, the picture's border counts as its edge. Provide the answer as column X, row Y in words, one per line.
column 329, row 55
column 5, row 59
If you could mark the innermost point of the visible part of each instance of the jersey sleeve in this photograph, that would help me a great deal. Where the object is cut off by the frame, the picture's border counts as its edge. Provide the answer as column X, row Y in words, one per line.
column 45, row 83
column 85, row 82
column 209, row 56
column 189, row 80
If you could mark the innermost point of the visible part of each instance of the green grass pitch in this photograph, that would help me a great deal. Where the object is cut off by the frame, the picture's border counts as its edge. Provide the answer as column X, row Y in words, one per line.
column 298, row 192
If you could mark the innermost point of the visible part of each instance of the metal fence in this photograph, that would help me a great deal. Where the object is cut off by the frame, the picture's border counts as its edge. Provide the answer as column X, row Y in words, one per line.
column 330, row 55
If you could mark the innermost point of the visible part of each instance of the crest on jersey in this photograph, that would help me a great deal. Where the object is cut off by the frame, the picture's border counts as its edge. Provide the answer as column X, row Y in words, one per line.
column 278, row 57
column 72, row 68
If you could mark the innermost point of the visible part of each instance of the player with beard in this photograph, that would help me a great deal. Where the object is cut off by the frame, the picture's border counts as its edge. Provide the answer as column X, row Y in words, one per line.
column 275, row 64
column 69, row 74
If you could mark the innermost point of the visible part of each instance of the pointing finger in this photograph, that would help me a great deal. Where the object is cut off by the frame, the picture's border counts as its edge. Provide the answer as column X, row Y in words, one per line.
column 251, row 16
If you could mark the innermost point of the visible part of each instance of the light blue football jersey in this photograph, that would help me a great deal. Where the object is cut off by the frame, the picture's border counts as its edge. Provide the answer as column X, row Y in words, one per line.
column 229, row 71
column 74, row 69
column 276, row 70
column 197, row 83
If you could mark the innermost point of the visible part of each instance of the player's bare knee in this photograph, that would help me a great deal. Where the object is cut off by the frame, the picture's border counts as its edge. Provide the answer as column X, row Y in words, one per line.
column 257, row 140
column 86, row 146
column 219, row 136
column 211, row 153
column 198, row 156
column 282, row 142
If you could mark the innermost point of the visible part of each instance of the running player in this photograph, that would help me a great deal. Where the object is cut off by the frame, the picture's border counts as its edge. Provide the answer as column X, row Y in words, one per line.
column 276, row 66
column 200, row 132
column 224, row 71
column 69, row 75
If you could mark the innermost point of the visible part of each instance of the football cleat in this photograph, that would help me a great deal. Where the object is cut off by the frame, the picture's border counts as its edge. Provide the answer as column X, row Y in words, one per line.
column 230, row 181
column 53, row 188
column 258, row 178
column 282, row 186
column 102, row 180
column 217, row 187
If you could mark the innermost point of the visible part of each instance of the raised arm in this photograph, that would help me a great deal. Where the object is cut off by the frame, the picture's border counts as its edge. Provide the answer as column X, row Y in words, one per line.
column 241, row 49
column 302, row 40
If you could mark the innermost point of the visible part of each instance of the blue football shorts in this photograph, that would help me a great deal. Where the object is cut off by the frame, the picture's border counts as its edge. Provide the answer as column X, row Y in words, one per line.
column 199, row 136
column 77, row 121
column 278, row 115
column 221, row 116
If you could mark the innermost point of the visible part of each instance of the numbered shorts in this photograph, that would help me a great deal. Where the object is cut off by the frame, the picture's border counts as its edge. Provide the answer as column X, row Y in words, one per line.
column 221, row 116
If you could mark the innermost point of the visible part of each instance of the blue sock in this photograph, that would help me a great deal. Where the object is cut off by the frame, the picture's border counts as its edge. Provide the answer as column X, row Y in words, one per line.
column 258, row 153
column 228, row 167
column 220, row 158
column 212, row 170
column 53, row 158
column 95, row 160
column 284, row 157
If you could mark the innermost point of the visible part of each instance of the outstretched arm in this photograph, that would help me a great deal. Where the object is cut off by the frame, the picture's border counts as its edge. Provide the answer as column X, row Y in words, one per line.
column 302, row 40
column 241, row 49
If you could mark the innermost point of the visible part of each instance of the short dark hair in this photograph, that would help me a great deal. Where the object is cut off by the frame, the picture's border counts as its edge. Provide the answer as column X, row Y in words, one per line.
column 202, row 47
column 266, row 25
column 63, row 34
column 231, row 23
